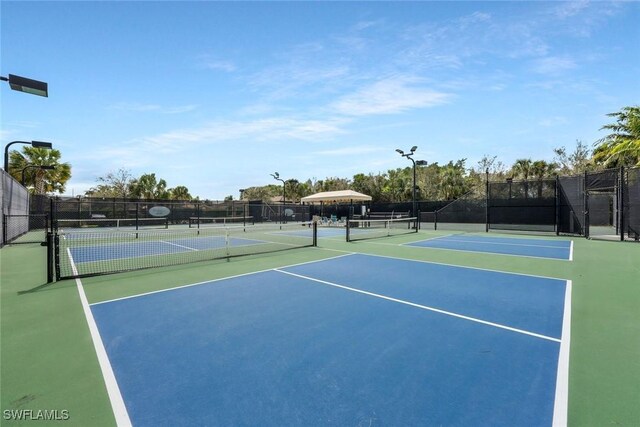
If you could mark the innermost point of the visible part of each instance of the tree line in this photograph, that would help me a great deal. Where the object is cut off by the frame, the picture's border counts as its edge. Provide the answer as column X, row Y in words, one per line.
column 621, row 147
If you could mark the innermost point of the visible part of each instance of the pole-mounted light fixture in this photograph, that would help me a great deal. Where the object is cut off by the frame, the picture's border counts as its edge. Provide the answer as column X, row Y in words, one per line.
column 276, row 176
column 409, row 156
column 36, row 144
column 23, row 84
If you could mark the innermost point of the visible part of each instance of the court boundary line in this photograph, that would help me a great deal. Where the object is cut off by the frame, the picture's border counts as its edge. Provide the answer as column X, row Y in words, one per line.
column 118, row 407
column 476, row 252
column 571, row 251
column 175, row 244
column 424, row 307
column 213, row 280
column 561, row 401
column 498, row 243
column 446, row 264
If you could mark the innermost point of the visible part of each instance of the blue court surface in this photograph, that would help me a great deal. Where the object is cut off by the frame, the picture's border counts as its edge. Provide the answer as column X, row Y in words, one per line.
column 352, row 340
column 554, row 249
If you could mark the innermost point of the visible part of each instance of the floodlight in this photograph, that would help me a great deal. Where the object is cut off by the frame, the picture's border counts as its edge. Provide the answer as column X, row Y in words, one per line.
column 23, row 84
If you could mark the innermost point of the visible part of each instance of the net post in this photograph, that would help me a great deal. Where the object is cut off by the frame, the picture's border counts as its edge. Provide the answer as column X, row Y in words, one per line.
column 348, row 230
column 56, row 254
column 435, row 220
column 315, row 233
column 418, row 221
column 50, row 264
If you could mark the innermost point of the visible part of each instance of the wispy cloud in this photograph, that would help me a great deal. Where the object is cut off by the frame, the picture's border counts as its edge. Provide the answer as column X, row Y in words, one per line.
column 344, row 151
column 141, row 108
column 388, row 96
column 214, row 63
column 553, row 65
column 567, row 9
column 259, row 130
column 553, row 121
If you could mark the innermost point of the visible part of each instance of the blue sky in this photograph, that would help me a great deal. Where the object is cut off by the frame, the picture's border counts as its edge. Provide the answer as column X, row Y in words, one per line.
column 218, row 95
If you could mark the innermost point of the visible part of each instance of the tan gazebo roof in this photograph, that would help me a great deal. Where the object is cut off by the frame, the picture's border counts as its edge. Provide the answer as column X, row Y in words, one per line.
column 336, row 197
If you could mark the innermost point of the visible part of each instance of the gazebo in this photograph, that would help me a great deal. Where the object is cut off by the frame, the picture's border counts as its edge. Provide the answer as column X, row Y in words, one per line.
column 334, row 197
column 341, row 196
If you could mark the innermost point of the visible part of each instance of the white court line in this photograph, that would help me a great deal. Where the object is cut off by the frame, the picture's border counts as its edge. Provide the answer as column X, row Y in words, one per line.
column 214, row 280
column 115, row 397
column 426, row 240
column 561, row 403
column 424, row 307
column 571, row 251
column 441, row 263
column 175, row 244
column 476, row 252
column 454, row 239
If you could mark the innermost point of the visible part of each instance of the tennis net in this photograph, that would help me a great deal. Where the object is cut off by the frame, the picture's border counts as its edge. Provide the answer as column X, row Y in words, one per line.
column 201, row 222
column 70, row 225
column 375, row 228
column 82, row 253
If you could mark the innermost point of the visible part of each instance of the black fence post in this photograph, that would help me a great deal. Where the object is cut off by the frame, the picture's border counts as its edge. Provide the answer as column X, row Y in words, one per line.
column 137, row 217
column 621, row 189
column 557, row 206
column 487, row 219
column 586, row 206
column 4, row 228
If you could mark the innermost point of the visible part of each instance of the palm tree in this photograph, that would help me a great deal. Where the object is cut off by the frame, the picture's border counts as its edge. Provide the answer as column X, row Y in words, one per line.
column 39, row 180
column 180, row 193
column 522, row 168
column 540, row 169
column 622, row 146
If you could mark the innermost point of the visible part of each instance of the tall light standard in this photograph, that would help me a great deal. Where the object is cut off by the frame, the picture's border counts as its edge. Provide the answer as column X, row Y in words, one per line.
column 276, row 176
column 23, row 84
column 42, row 167
column 409, row 156
column 36, row 144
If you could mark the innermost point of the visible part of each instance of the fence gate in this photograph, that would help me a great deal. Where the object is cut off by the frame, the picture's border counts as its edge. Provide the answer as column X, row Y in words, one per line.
column 601, row 201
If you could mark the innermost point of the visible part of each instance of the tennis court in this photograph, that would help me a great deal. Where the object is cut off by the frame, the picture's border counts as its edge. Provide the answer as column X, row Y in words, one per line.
column 537, row 248
column 376, row 332
column 350, row 340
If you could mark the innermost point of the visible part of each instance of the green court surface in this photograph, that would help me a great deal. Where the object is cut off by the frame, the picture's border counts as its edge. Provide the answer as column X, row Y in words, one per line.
column 49, row 363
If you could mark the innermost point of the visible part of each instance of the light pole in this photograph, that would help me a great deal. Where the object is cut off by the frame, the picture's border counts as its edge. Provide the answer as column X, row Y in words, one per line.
column 36, row 144
column 409, row 156
column 241, row 194
column 43, row 167
column 23, row 84
column 276, row 176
